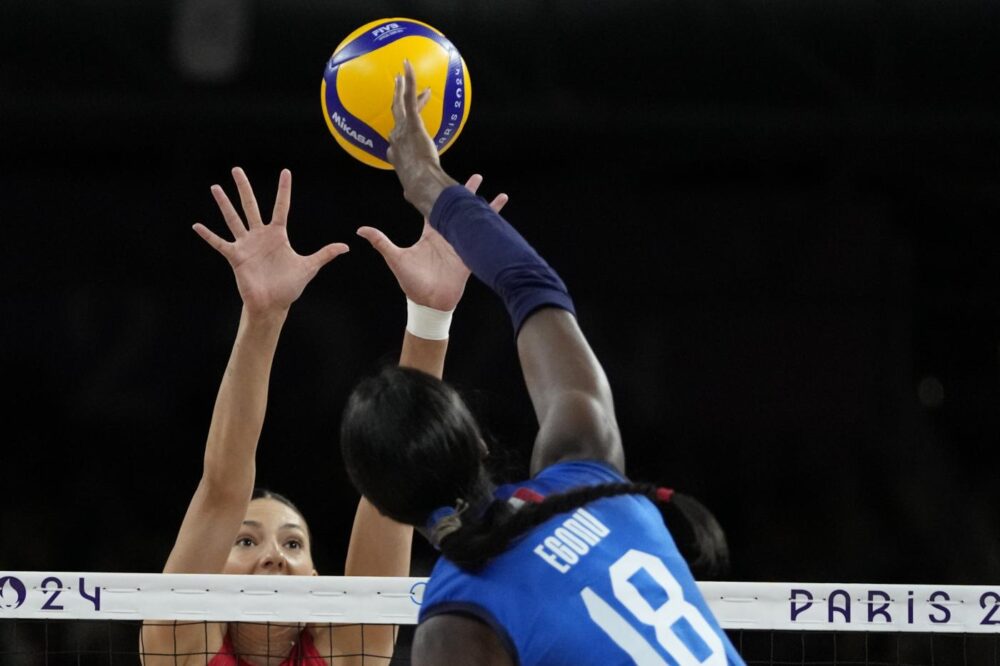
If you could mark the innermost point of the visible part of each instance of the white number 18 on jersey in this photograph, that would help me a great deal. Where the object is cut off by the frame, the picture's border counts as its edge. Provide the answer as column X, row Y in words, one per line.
column 680, row 628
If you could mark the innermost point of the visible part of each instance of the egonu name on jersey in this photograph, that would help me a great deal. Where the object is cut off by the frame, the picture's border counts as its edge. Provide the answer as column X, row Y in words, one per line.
column 572, row 540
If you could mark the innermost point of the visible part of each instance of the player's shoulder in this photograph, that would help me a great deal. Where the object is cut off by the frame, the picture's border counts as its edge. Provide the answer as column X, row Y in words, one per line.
column 440, row 640
column 573, row 473
column 560, row 477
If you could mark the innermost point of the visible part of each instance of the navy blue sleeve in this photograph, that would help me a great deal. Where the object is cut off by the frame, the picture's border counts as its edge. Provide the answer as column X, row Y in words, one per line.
column 498, row 255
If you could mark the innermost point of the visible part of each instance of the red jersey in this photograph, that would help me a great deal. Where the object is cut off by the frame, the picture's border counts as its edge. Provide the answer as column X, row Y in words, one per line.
column 304, row 653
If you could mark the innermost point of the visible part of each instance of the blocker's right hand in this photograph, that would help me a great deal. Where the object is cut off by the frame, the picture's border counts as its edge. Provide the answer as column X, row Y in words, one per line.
column 429, row 272
column 270, row 275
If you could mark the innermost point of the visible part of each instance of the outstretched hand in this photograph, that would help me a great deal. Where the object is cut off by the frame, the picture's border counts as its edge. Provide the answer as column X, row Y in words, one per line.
column 270, row 275
column 429, row 272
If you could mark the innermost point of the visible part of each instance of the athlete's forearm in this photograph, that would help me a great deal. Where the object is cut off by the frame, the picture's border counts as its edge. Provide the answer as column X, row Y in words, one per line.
column 241, row 403
column 425, row 355
column 219, row 503
column 424, row 188
column 498, row 255
column 380, row 546
column 567, row 385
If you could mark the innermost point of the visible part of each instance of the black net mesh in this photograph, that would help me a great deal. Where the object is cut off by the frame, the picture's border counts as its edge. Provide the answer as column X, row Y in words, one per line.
column 107, row 643
column 117, row 642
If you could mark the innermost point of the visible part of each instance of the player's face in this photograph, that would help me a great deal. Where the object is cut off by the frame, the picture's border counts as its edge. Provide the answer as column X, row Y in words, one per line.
column 272, row 541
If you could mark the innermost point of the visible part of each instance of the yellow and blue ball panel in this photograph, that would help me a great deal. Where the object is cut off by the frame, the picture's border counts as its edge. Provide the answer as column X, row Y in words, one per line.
column 357, row 88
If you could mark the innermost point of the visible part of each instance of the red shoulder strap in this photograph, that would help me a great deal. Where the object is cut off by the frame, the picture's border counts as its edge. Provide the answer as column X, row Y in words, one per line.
column 305, row 652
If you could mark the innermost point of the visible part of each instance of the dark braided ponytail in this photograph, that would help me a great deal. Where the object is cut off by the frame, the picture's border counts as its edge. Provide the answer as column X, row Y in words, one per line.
column 699, row 536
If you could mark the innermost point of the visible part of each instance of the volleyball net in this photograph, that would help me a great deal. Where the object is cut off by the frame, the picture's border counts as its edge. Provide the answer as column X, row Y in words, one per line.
column 80, row 618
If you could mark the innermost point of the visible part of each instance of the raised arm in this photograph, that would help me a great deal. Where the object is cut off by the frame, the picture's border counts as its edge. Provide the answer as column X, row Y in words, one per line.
column 380, row 546
column 270, row 276
column 432, row 277
column 567, row 385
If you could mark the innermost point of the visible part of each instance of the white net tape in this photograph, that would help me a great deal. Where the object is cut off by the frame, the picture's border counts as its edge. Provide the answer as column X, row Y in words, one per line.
column 965, row 609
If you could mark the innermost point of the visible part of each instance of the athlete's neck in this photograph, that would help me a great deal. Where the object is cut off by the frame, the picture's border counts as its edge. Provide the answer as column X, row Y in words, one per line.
column 263, row 644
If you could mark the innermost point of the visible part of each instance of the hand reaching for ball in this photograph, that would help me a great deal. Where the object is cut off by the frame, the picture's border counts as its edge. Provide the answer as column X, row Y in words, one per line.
column 411, row 150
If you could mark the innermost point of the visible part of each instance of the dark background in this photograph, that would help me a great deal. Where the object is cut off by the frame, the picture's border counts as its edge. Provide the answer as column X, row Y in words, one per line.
column 777, row 220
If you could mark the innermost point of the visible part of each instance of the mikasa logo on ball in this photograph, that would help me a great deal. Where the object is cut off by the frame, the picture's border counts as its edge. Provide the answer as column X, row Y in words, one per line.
column 349, row 131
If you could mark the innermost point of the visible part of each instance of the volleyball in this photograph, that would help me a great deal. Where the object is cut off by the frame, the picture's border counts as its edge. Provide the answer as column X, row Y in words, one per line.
column 358, row 83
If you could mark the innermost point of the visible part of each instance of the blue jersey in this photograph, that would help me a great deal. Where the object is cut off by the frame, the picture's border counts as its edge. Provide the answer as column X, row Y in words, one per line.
column 603, row 584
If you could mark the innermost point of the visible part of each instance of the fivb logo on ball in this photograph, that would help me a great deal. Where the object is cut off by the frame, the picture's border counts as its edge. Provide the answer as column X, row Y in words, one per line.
column 386, row 30
column 359, row 81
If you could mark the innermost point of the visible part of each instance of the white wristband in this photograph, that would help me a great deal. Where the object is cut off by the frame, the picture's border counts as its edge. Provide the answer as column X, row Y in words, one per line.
column 427, row 323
